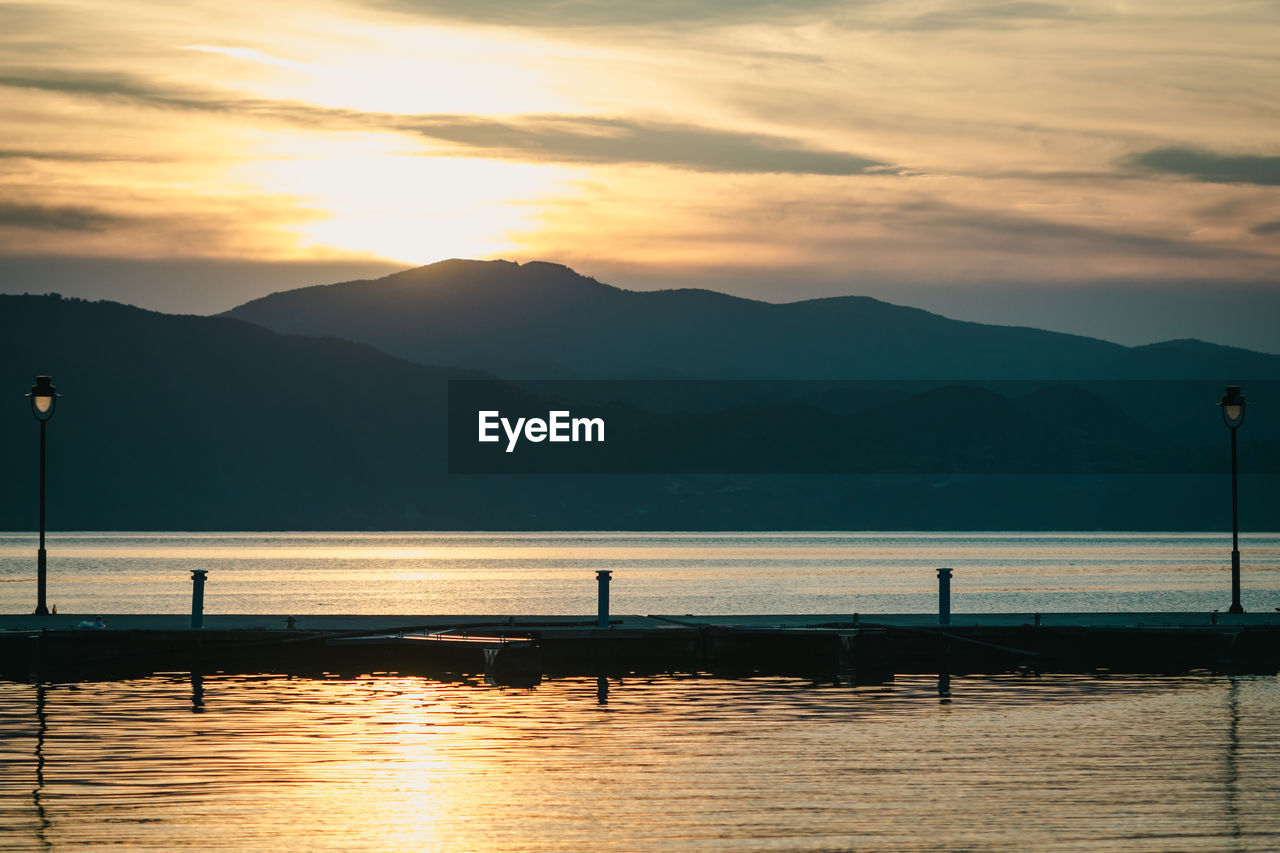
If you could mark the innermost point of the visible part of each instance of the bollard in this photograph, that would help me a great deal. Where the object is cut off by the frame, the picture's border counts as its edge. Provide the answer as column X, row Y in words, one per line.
column 944, row 596
column 197, row 597
column 602, row 598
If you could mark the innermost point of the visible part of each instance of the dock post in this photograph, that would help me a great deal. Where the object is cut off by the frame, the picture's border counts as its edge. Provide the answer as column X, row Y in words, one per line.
column 197, row 597
column 944, row 596
column 602, row 598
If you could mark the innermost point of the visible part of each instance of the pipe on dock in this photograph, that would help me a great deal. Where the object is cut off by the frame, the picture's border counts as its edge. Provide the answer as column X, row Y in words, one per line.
column 944, row 596
column 602, row 598
column 197, row 598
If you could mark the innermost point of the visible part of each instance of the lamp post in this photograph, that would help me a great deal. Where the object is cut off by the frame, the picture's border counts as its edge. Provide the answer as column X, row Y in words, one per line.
column 1233, row 406
column 43, row 399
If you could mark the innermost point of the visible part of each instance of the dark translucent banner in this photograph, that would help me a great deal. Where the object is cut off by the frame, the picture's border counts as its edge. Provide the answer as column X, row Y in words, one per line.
column 851, row 427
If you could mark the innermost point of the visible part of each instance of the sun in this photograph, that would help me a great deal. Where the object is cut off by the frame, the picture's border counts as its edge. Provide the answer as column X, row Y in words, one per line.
column 374, row 194
column 361, row 185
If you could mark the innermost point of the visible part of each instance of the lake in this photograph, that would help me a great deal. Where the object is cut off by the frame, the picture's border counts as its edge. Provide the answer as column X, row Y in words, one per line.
column 667, row 573
column 667, row 763
column 672, row 762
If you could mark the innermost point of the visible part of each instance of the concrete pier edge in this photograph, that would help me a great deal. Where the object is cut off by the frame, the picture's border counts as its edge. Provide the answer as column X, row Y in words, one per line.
column 326, row 622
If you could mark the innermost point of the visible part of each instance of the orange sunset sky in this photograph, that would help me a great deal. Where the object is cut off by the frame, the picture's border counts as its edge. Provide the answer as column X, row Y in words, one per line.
column 1108, row 168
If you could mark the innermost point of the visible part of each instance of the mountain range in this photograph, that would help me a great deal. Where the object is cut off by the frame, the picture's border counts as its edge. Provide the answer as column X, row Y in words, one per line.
column 325, row 408
column 545, row 321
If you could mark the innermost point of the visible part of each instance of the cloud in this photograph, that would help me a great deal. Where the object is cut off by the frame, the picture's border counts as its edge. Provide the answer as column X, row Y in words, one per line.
column 55, row 218
column 663, row 14
column 959, row 226
column 1266, row 229
column 536, row 138
column 945, row 230
column 66, row 156
column 103, row 85
column 1009, row 228
column 1004, row 15
column 578, row 139
column 1210, row 167
column 564, row 14
column 870, row 14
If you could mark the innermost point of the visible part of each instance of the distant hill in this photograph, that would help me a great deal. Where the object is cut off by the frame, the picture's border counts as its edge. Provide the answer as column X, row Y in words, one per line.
column 541, row 320
column 205, row 423
column 198, row 423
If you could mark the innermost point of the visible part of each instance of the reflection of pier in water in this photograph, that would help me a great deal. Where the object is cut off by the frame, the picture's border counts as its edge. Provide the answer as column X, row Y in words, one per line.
column 43, row 825
column 1232, row 762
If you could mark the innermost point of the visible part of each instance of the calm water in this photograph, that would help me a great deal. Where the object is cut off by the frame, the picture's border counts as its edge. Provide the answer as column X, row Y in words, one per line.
column 658, row 764
column 553, row 573
column 670, row 763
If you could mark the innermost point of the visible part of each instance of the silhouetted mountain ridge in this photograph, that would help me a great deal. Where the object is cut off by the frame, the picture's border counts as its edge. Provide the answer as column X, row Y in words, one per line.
column 543, row 320
column 185, row 422
column 198, row 423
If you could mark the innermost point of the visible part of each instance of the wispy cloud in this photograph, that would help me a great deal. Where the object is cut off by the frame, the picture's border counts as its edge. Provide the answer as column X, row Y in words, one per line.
column 980, row 15
column 55, row 218
column 67, row 156
column 1006, row 230
column 539, row 138
column 662, row 14
column 1209, row 166
column 577, row 139
column 565, row 14
column 97, row 84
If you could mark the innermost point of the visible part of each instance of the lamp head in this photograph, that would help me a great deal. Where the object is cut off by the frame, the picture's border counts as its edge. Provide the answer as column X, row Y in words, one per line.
column 43, row 398
column 1233, row 406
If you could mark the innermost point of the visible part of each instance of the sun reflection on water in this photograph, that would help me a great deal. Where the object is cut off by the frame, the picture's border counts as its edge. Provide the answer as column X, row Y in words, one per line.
column 389, row 762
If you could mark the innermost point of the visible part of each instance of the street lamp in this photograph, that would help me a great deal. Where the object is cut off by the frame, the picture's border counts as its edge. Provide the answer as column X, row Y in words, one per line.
column 1233, row 406
column 43, row 399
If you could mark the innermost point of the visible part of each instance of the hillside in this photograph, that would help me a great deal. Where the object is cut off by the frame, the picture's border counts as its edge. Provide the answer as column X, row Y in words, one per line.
column 540, row 320
column 197, row 423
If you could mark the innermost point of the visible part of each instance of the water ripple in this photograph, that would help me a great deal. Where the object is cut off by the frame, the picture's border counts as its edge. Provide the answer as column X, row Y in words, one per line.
column 391, row 763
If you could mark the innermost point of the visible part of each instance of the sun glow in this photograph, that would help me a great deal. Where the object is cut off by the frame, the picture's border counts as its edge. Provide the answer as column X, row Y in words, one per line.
column 376, row 195
column 647, row 145
column 405, row 70
column 381, row 192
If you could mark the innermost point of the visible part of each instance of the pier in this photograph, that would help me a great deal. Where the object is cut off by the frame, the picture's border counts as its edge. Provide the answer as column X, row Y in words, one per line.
column 857, row 648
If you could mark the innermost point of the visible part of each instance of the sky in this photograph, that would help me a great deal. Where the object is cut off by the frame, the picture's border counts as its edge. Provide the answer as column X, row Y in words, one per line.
column 1104, row 168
